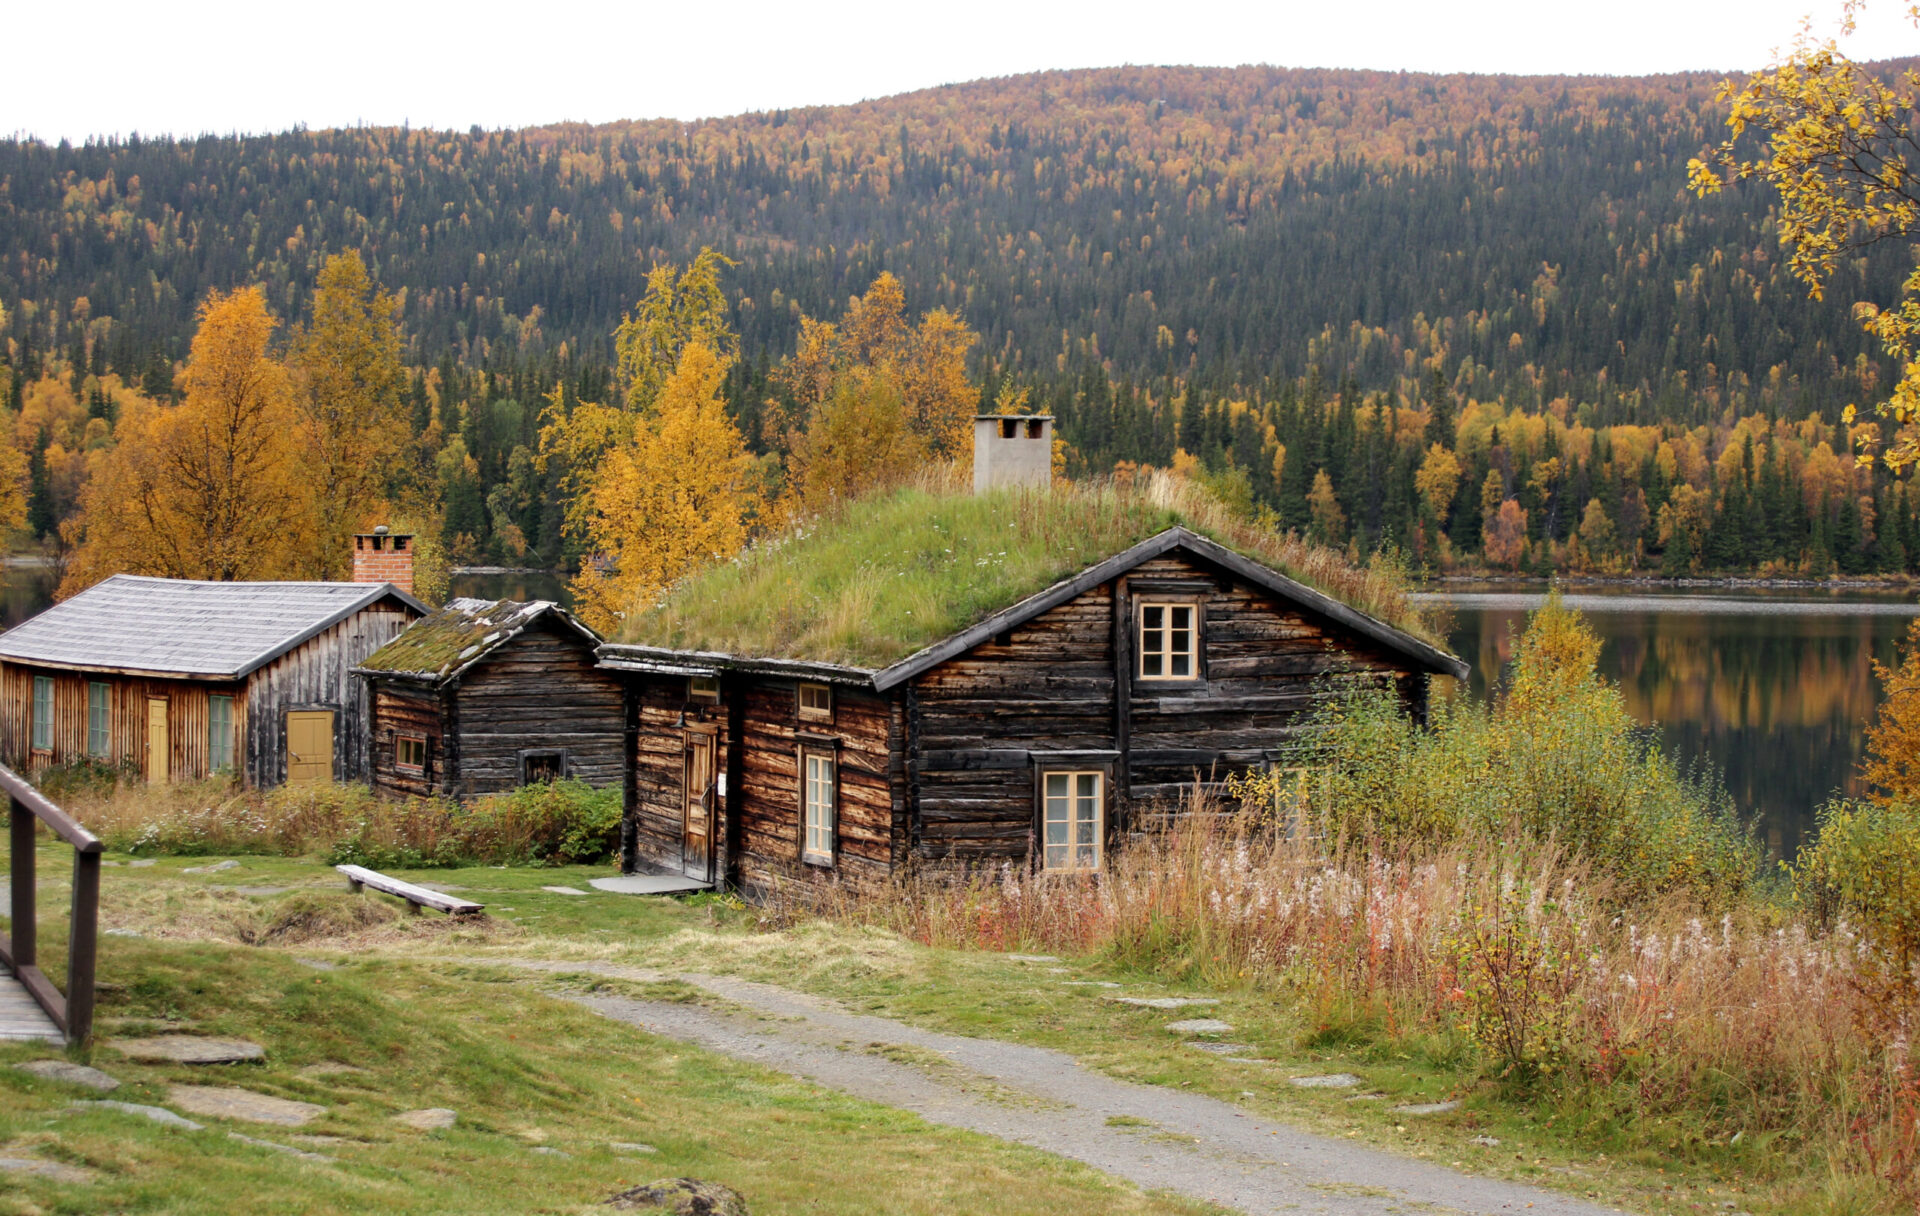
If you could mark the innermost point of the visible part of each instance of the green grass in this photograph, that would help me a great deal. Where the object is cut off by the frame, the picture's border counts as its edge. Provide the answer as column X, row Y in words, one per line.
column 871, row 583
column 522, row 1068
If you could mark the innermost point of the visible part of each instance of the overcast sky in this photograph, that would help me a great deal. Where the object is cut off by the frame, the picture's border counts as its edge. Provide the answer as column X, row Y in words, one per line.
column 190, row 67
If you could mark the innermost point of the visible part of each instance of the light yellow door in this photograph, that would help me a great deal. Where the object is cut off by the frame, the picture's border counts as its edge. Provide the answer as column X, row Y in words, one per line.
column 158, row 752
column 309, row 745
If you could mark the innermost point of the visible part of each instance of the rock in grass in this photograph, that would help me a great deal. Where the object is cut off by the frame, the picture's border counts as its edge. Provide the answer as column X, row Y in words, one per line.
column 621, row 1147
column 53, row 1171
column 70, row 1073
column 681, row 1197
column 155, row 1113
column 288, row 1149
column 189, row 1049
column 1033, row 958
column 232, row 1102
column 1200, row 1026
column 1220, row 1049
column 1426, row 1108
column 1164, row 1002
column 215, row 868
column 432, row 1119
column 565, row 890
column 1331, row 1080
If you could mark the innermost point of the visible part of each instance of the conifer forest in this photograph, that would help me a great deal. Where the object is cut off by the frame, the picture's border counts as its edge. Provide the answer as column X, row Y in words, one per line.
column 1474, row 321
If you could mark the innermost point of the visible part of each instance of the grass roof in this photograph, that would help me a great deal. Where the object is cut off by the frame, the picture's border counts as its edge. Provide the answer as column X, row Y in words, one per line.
column 878, row 579
column 463, row 630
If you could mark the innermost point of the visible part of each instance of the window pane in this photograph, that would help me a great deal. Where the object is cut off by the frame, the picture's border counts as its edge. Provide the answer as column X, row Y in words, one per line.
column 43, row 712
column 97, row 695
column 817, row 796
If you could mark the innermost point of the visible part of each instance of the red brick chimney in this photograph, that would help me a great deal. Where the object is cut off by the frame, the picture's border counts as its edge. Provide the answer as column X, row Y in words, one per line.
column 381, row 556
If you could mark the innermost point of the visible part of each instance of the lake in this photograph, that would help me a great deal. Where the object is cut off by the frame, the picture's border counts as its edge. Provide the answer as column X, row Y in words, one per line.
column 1774, row 690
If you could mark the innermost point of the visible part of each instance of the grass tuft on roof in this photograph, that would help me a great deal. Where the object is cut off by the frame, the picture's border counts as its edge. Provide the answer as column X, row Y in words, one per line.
column 875, row 580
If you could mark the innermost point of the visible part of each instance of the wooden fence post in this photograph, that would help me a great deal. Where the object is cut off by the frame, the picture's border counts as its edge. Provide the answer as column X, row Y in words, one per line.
column 20, row 840
column 83, row 946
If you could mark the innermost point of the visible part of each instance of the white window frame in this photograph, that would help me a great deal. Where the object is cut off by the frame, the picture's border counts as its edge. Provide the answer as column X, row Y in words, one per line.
column 404, row 766
column 1162, row 652
column 822, row 709
column 1067, row 856
column 819, row 805
column 216, row 744
column 99, row 719
column 42, row 714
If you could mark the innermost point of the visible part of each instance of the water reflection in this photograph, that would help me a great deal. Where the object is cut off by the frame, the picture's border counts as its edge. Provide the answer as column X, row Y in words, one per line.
column 1774, row 692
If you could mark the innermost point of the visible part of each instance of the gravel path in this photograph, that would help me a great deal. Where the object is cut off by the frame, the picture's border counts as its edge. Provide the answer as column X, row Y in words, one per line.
column 1180, row 1142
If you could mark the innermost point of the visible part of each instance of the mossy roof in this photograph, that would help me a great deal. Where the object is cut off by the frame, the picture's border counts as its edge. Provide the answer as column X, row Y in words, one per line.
column 449, row 641
column 887, row 577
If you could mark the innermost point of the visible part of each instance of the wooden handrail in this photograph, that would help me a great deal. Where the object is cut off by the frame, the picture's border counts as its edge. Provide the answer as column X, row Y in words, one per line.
column 19, row 948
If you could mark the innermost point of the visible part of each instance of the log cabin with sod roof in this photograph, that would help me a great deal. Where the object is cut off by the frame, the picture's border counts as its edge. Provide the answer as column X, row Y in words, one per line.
column 944, row 681
column 486, row 695
column 179, row 679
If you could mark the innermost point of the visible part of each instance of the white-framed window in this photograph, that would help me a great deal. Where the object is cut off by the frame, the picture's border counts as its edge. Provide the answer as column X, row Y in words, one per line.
column 818, row 796
column 410, row 753
column 99, row 719
column 219, row 734
column 703, row 688
column 1169, row 640
column 43, row 713
column 816, row 702
column 1072, row 819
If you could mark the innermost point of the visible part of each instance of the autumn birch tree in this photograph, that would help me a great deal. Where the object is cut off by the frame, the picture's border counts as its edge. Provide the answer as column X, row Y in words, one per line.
column 210, row 489
column 677, row 495
column 352, row 424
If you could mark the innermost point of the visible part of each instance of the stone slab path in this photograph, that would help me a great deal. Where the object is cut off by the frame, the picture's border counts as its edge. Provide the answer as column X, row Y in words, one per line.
column 1190, row 1144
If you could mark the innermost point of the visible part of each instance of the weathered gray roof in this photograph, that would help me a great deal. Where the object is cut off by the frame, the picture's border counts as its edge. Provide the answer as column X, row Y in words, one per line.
column 441, row 646
column 183, row 627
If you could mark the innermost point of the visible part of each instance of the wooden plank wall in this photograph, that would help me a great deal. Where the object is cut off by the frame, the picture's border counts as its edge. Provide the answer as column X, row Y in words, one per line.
column 318, row 673
column 404, row 708
column 540, row 690
column 975, row 723
column 659, row 763
column 127, row 718
column 1047, row 685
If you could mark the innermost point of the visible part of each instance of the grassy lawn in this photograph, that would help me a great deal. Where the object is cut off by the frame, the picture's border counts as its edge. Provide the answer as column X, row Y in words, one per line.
column 524, row 1069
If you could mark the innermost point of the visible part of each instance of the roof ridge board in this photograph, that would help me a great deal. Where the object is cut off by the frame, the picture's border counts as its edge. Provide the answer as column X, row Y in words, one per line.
column 614, row 653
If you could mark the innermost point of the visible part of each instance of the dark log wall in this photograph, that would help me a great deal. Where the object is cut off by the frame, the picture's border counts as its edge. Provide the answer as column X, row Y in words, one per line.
column 663, row 714
column 318, row 674
column 861, row 738
column 406, row 708
column 760, row 814
column 980, row 726
column 127, row 697
column 539, row 691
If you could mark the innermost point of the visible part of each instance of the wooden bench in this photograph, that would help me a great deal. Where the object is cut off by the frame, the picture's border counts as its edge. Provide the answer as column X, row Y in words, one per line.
column 416, row 897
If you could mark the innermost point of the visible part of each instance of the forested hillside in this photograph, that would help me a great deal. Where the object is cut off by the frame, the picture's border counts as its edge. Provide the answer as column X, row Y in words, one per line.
column 1234, row 262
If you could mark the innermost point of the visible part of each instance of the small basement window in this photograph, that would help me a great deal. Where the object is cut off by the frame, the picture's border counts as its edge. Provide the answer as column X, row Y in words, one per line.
column 1169, row 641
column 818, row 796
column 542, row 768
column 43, row 713
column 1072, row 820
column 703, row 688
column 816, row 702
column 410, row 753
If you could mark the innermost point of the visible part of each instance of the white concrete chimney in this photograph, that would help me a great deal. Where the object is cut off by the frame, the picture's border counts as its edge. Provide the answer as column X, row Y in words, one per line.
column 1012, row 450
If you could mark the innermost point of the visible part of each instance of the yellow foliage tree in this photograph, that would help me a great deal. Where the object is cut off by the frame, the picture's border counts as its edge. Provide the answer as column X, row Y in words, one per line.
column 1839, row 148
column 352, row 422
column 212, row 489
column 1892, row 766
column 859, row 439
column 676, row 496
column 922, row 366
column 1329, row 521
column 1596, row 530
column 1504, row 535
column 1437, row 479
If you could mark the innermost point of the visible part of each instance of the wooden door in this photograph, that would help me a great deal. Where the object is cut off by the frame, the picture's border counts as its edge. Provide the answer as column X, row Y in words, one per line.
column 159, row 749
column 309, row 745
column 696, row 836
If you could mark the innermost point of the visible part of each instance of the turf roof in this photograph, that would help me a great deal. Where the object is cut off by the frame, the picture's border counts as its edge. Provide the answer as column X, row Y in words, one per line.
column 457, row 636
column 887, row 576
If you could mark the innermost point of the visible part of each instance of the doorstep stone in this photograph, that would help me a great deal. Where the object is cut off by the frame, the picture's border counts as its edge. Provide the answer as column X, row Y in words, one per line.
column 232, row 1102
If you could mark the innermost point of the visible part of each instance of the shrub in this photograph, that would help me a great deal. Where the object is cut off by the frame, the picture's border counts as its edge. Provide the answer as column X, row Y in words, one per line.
column 1863, row 864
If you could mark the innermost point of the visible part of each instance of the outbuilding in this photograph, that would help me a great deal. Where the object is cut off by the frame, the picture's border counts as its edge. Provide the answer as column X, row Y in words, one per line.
column 179, row 679
column 486, row 695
